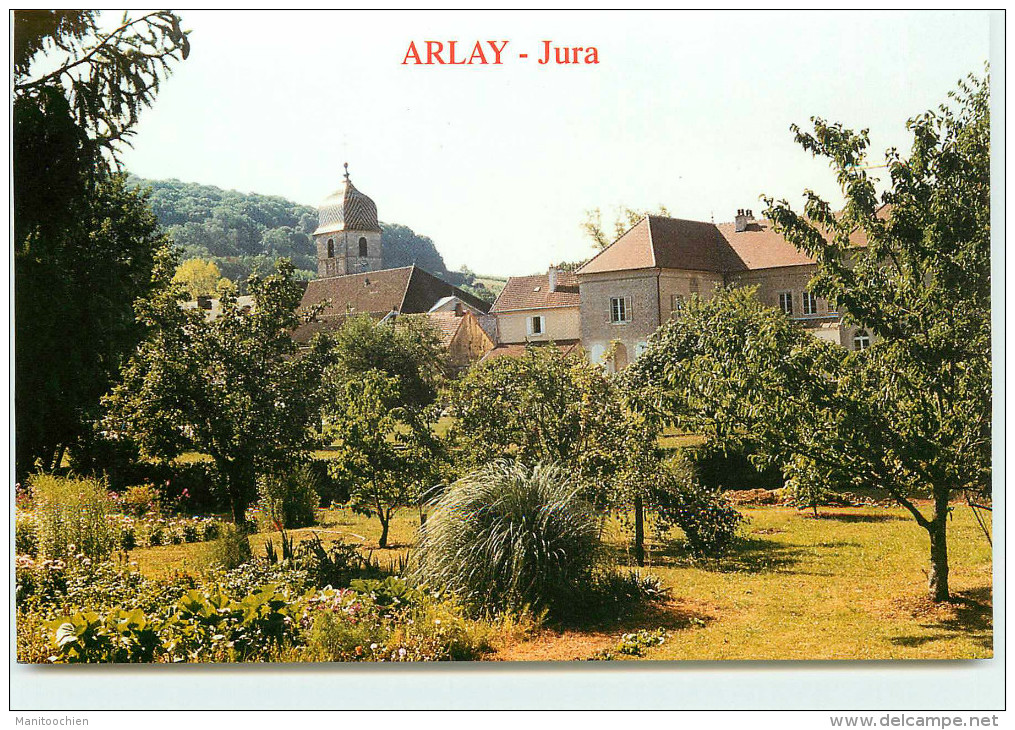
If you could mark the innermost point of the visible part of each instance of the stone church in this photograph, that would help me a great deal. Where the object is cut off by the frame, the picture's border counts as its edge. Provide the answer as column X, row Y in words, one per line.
column 348, row 236
column 351, row 276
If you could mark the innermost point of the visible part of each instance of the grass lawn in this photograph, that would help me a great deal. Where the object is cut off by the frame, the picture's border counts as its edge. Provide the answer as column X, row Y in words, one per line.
column 848, row 585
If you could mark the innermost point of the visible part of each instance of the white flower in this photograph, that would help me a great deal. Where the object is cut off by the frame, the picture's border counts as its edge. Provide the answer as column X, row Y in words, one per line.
column 437, row 621
column 401, row 652
column 373, row 647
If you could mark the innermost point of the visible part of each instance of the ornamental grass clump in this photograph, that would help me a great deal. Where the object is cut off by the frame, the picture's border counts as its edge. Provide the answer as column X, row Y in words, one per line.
column 508, row 536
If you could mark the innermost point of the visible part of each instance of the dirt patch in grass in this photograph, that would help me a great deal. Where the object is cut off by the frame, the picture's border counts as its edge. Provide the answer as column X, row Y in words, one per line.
column 753, row 496
column 972, row 607
column 968, row 614
column 574, row 644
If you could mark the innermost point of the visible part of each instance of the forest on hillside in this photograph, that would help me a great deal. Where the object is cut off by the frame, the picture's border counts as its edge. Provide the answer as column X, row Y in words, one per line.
column 244, row 233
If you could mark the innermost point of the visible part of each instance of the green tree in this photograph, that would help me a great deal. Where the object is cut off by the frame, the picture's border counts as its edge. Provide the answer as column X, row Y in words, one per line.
column 910, row 416
column 199, row 277
column 411, row 352
column 84, row 244
column 107, row 77
column 550, row 407
column 380, row 457
column 236, row 388
column 745, row 378
column 542, row 406
column 921, row 285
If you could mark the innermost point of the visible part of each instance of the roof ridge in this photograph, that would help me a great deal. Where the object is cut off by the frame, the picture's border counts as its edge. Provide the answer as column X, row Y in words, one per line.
column 651, row 241
column 363, row 273
column 408, row 283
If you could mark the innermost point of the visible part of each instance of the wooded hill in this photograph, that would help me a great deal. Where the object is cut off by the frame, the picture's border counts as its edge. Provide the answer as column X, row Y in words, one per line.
column 243, row 233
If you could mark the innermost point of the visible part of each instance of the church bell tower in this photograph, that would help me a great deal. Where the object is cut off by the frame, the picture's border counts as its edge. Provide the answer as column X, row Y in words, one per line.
column 348, row 236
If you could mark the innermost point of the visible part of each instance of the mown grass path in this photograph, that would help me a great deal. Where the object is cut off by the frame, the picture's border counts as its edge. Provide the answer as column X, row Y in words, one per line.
column 849, row 584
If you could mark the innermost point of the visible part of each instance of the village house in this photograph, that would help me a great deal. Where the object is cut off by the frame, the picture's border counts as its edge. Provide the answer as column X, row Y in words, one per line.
column 616, row 300
column 460, row 330
column 537, row 309
column 647, row 275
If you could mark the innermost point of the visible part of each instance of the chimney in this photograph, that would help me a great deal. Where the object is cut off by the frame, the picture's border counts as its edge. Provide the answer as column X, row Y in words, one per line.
column 459, row 309
column 551, row 274
column 740, row 221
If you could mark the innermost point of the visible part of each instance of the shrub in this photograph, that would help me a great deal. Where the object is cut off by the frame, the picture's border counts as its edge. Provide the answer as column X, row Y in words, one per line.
column 333, row 566
column 231, row 549
column 436, row 629
column 141, row 500
column 202, row 626
column 707, row 520
column 732, row 468
column 635, row 644
column 72, row 516
column 389, row 621
column 629, row 586
column 345, row 626
column 507, row 536
column 289, row 499
column 40, row 580
column 26, row 541
column 126, row 533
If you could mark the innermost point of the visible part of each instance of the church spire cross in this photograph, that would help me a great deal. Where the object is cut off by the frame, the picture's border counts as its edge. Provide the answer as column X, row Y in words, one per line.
column 346, row 170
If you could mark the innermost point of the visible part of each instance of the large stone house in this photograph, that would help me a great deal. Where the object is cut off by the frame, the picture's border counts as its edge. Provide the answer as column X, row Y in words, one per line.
column 630, row 288
column 616, row 300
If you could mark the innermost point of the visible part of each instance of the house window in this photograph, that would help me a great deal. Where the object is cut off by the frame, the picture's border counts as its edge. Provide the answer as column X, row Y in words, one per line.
column 861, row 340
column 810, row 303
column 676, row 305
column 695, row 286
column 786, row 301
column 331, row 248
column 620, row 310
column 363, row 247
column 536, row 326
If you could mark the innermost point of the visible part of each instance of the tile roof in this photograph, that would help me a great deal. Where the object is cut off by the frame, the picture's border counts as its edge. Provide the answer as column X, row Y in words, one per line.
column 409, row 290
column 446, row 323
column 657, row 242
column 760, row 247
column 533, row 292
column 671, row 243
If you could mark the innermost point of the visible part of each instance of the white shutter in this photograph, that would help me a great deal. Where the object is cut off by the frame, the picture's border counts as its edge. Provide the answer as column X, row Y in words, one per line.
column 627, row 309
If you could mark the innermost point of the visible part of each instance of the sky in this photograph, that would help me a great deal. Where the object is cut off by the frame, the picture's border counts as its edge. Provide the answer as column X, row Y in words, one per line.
column 499, row 164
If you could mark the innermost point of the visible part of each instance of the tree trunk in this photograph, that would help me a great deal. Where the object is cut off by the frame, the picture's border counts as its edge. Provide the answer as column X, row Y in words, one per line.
column 58, row 460
column 383, row 542
column 938, row 579
column 639, row 531
column 239, row 484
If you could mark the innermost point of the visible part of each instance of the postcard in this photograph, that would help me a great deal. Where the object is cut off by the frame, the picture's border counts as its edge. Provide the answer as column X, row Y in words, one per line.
column 385, row 337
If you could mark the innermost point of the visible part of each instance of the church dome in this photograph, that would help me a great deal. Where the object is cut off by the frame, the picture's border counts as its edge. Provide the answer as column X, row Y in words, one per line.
column 347, row 209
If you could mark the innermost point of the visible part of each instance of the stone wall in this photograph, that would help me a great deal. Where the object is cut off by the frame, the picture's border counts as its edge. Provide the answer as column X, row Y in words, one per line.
column 598, row 332
column 470, row 342
column 346, row 249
